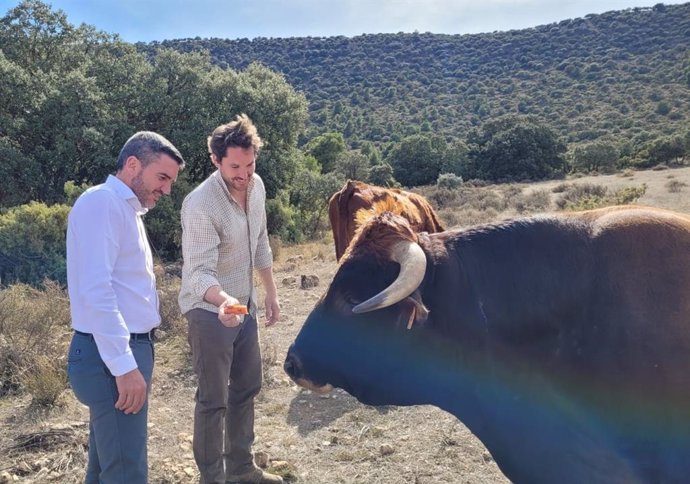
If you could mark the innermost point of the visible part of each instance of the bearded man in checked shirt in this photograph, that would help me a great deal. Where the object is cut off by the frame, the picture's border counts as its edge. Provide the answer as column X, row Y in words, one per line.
column 224, row 239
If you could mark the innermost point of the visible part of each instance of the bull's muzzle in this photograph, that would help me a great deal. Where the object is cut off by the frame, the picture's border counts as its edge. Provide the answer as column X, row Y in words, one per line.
column 292, row 365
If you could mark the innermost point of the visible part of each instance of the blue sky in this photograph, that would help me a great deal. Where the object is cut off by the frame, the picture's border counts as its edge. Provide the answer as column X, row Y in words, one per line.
column 147, row 20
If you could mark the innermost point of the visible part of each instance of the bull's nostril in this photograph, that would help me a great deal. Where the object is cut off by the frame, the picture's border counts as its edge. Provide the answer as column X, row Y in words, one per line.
column 288, row 366
column 291, row 366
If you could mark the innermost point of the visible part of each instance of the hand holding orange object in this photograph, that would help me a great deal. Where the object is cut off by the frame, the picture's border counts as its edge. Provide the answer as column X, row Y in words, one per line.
column 235, row 309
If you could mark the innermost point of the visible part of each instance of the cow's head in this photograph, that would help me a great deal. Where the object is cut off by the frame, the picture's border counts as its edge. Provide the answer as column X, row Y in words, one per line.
column 356, row 336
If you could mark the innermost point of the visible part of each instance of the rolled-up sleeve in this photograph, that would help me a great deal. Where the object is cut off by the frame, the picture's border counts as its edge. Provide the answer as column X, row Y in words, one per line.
column 264, row 255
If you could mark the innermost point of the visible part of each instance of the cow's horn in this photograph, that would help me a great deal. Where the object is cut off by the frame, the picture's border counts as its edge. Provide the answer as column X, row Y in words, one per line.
column 412, row 262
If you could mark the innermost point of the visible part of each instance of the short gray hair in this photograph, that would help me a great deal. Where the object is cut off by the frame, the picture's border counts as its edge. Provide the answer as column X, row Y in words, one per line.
column 146, row 145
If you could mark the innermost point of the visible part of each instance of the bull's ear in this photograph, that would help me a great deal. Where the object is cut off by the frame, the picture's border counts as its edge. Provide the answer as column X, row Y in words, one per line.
column 418, row 311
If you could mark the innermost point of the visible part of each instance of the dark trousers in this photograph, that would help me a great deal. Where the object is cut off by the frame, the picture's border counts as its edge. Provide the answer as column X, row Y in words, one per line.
column 227, row 362
column 117, row 442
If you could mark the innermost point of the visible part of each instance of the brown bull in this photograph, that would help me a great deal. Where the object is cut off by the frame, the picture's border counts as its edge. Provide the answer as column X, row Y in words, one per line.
column 561, row 341
column 355, row 195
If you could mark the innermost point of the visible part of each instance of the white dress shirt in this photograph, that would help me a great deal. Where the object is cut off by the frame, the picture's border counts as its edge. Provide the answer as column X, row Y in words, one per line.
column 112, row 288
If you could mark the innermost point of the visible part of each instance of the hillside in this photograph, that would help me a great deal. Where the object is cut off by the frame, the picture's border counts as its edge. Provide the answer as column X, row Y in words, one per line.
column 622, row 73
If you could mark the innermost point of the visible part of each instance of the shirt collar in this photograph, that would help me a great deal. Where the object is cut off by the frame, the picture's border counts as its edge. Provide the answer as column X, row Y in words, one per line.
column 126, row 193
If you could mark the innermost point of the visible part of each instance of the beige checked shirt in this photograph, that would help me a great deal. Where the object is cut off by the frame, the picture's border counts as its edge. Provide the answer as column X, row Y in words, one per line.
column 221, row 244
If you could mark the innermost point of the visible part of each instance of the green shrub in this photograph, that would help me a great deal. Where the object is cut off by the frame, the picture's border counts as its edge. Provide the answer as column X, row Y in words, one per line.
column 441, row 197
column 572, row 194
column 309, row 196
column 32, row 243
column 623, row 196
column 449, row 180
column 163, row 223
column 281, row 218
column 74, row 191
column 381, row 174
column 598, row 156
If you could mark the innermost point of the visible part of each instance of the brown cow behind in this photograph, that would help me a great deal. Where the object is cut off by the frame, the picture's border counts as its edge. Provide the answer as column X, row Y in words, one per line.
column 356, row 195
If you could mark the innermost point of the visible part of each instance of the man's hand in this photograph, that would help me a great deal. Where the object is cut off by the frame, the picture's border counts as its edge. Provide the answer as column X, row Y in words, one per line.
column 271, row 301
column 230, row 320
column 272, row 310
column 131, row 389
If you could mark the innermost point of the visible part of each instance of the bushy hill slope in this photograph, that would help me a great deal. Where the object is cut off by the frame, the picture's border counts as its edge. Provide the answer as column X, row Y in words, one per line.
column 622, row 73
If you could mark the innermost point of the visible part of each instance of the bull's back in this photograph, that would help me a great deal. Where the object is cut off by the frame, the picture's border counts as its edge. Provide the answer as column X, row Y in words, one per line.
column 641, row 256
column 602, row 294
column 638, row 323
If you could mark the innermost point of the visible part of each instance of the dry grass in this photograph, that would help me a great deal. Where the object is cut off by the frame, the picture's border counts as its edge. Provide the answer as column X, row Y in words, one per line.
column 675, row 186
column 308, row 438
column 34, row 333
column 45, row 379
column 47, row 440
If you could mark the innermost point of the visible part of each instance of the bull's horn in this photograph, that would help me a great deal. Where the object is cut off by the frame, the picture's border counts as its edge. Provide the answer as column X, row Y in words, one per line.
column 412, row 262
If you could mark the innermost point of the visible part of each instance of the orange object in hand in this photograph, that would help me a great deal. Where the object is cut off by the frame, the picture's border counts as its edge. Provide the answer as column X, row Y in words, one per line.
column 235, row 309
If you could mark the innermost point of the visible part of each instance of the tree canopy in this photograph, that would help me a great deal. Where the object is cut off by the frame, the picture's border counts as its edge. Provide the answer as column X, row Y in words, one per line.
column 515, row 148
column 72, row 96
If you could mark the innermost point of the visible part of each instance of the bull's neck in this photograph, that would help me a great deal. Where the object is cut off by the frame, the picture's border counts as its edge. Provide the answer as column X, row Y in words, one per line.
column 462, row 380
column 441, row 372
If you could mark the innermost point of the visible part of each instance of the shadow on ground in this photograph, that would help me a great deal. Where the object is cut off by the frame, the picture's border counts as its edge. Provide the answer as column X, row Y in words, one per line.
column 309, row 411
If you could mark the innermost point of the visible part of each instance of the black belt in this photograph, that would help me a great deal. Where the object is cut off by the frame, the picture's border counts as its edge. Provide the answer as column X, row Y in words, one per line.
column 132, row 336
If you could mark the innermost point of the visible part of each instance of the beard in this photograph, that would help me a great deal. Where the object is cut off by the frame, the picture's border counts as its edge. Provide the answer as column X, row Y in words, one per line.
column 239, row 185
column 235, row 185
column 144, row 195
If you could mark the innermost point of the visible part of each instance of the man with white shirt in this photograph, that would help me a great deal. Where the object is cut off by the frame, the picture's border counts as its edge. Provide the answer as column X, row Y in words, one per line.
column 114, row 306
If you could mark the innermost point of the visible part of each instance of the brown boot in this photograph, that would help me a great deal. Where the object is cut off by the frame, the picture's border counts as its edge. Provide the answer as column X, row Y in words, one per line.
column 255, row 476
